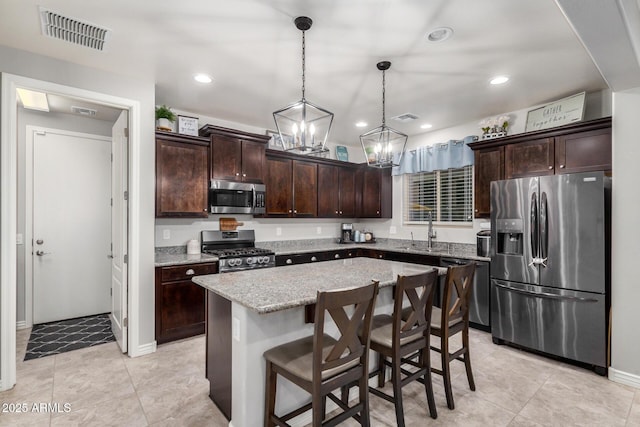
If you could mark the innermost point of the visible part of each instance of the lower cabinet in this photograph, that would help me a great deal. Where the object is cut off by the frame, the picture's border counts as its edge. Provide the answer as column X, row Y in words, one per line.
column 180, row 303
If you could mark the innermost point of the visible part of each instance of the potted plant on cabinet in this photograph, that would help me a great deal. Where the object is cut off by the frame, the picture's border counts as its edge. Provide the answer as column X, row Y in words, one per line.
column 164, row 118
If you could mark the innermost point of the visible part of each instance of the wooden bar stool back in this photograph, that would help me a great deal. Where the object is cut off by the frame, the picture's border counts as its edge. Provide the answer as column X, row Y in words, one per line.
column 321, row 364
column 452, row 319
column 398, row 342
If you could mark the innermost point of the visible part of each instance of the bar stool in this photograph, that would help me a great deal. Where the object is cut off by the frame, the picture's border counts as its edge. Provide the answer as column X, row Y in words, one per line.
column 320, row 364
column 445, row 323
column 401, row 341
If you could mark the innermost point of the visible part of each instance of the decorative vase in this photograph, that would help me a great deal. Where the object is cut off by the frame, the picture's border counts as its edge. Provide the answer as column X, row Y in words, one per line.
column 164, row 124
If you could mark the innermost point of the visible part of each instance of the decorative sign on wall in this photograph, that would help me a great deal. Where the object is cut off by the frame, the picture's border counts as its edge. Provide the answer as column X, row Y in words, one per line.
column 342, row 153
column 558, row 113
column 188, row 125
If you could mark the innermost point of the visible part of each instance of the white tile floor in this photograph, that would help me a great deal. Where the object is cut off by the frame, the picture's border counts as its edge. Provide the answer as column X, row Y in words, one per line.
column 105, row 388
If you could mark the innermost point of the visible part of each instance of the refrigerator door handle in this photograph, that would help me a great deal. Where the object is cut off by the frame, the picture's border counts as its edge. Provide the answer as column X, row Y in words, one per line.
column 534, row 228
column 544, row 229
column 544, row 294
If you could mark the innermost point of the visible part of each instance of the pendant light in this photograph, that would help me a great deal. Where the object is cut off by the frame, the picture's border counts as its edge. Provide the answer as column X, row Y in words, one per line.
column 303, row 127
column 383, row 146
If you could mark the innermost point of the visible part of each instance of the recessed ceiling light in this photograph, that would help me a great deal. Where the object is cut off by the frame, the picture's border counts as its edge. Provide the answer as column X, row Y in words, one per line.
column 202, row 78
column 498, row 80
column 426, row 126
column 33, row 100
column 361, row 124
column 439, row 34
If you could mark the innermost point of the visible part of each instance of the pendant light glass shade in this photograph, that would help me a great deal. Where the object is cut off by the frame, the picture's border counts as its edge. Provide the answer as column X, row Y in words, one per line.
column 303, row 126
column 383, row 146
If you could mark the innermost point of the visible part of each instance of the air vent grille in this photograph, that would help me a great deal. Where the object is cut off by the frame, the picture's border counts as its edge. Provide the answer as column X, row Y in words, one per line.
column 73, row 31
column 83, row 111
column 406, row 117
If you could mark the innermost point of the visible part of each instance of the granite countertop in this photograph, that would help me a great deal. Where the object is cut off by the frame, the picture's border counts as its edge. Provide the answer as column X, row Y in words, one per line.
column 165, row 259
column 275, row 289
column 441, row 249
column 176, row 255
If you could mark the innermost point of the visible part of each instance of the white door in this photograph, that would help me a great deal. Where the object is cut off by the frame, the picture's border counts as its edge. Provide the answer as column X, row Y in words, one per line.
column 119, row 229
column 71, row 225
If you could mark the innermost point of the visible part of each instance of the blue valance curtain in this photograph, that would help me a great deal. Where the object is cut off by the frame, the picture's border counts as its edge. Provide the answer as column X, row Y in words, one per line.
column 453, row 154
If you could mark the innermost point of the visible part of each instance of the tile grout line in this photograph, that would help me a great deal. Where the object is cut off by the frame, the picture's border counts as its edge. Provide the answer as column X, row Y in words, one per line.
column 135, row 390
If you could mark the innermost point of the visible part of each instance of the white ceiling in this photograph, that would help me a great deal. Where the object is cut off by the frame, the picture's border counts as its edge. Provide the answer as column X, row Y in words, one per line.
column 252, row 50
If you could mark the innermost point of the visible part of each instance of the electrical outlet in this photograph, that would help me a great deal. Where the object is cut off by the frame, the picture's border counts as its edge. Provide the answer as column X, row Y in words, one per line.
column 166, row 234
column 393, row 230
column 278, row 231
column 318, row 230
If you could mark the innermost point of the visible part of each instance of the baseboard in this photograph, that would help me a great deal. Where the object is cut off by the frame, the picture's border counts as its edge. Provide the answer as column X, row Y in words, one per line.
column 624, row 378
column 21, row 324
column 145, row 349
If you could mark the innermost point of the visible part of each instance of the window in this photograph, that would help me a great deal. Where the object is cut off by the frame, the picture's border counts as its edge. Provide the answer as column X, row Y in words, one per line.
column 448, row 194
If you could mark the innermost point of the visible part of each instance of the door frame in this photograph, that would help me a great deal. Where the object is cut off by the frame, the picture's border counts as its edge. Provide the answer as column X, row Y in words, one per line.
column 8, row 203
column 28, row 226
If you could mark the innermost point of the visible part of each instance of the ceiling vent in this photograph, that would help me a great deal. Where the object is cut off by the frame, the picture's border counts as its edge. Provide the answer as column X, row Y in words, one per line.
column 73, row 31
column 83, row 111
column 406, row 117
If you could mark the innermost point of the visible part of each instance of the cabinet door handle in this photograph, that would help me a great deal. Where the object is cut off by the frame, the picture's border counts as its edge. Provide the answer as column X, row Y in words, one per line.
column 378, row 212
column 336, row 256
column 204, row 210
column 295, row 211
column 314, row 258
column 550, row 167
column 379, row 256
column 237, row 173
column 289, row 210
column 289, row 261
column 477, row 210
column 244, row 175
column 336, row 212
column 190, row 272
column 561, row 166
column 340, row 212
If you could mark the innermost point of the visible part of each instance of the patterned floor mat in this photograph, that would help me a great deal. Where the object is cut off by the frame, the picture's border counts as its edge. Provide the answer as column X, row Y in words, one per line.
column 66, row 335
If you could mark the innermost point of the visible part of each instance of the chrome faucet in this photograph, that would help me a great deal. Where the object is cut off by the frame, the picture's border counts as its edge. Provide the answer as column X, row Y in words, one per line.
column 430, row 234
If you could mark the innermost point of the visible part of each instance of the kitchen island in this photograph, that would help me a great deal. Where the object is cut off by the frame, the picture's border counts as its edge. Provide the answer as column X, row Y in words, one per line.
column 252, row 311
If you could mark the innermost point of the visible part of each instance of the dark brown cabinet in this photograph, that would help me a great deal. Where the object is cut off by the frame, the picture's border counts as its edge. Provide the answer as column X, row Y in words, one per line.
column 375, row 199
column 489, row 166
column 182, row 176
column 529, row 158
column 583, row 151
column 292, row 188
column 180, row 303
column 336, row 191
column 236, row 155
column 579, row 147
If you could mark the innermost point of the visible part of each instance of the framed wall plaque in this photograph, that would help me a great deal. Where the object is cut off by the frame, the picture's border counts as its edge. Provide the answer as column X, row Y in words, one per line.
column 188, row 125
column 558, row 113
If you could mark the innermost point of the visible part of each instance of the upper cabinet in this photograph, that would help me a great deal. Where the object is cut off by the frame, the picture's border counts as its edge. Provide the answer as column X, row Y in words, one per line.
column 489, row 166
column 375, row 199
column 580, row 147
column 292, row 188
column 182, row 175
column 336, row 191
column 236, row 155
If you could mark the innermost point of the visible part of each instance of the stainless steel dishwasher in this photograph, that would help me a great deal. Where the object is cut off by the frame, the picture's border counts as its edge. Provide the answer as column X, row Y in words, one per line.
column 479, row 305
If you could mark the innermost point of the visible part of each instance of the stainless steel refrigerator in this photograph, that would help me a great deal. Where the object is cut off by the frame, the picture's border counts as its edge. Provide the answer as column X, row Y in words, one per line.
column 550, row 265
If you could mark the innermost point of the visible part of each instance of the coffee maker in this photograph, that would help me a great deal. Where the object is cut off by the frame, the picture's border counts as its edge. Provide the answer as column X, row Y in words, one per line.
column 346, row 233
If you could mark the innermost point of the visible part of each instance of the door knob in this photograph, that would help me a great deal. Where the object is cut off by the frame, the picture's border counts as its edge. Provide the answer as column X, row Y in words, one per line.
column 39, row 242
column 41, row 253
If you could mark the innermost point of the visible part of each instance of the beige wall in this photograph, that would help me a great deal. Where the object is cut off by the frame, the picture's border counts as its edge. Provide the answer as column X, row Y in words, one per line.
column 625, row 286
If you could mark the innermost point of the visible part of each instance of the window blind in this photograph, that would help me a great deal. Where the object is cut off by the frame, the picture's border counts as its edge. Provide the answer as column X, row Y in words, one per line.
column 448, row 194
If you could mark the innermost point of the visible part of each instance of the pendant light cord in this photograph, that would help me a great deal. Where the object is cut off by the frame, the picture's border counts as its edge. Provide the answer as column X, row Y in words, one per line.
column 303, row 63
column 383, row 98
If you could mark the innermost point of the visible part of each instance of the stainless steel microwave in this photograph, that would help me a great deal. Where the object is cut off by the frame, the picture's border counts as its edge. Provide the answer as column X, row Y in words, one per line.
column 236, row 197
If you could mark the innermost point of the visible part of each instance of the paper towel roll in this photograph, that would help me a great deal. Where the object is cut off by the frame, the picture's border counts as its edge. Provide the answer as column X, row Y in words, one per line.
column 193, row 247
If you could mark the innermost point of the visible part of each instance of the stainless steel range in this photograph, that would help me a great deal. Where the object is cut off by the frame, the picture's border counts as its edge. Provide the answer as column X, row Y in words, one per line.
column 236, row 250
